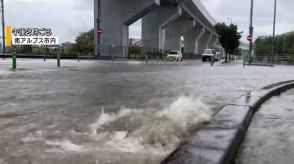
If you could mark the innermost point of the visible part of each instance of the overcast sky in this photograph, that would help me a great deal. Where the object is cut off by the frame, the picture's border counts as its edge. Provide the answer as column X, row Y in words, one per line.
column 69, row 17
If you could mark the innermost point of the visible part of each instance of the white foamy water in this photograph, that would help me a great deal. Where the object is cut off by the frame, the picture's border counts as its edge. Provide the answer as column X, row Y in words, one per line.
column 136, row 135
column 65, row 145
column 150, row 130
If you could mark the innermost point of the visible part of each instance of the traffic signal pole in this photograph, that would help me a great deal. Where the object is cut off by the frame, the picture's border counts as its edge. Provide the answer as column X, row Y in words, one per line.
column 3, row 27
column 274, row 34
column 98, row 19
column 251, row 32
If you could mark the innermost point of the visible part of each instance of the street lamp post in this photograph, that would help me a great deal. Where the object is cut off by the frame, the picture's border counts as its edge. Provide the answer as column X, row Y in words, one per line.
column 251, row 32
column 274, row 34
column 3, row 26
column 98, row 29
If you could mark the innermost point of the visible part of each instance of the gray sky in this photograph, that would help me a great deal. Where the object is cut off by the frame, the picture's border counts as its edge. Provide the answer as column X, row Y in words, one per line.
column 66, row 18
column 69, row 17
column 238, row 10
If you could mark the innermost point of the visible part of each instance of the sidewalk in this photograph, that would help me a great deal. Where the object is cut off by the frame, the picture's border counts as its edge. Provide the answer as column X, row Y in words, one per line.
column 270, row 136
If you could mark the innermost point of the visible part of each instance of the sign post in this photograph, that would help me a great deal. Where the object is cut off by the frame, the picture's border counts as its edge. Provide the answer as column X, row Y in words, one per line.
column 3, row 27
column 99, row 31
column 250, row 38
column 251, row 31
column 14, row 58
column 58, row 58
column 274, row 34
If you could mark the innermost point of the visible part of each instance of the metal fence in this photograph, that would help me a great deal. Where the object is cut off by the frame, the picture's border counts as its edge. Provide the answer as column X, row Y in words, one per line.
column 131, row 52
column 269, row 59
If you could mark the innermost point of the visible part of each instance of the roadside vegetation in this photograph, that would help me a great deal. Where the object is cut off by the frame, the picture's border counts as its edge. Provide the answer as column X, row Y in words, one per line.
column 229, row 38
column 284, row 47
column 284, row 44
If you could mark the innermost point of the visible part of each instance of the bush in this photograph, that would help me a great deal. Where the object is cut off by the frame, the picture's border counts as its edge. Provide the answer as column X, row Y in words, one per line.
column 24, row 49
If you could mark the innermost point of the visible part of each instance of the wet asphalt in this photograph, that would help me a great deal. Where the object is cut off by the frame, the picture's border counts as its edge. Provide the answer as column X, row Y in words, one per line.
column 270, row 136
column 42, row 106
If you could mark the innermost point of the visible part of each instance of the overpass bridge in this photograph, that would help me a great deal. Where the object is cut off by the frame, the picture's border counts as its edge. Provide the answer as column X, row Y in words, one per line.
column 164, row 22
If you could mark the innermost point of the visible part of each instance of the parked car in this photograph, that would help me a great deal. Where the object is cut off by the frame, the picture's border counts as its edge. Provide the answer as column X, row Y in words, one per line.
column 175, row 55
column 209, row 55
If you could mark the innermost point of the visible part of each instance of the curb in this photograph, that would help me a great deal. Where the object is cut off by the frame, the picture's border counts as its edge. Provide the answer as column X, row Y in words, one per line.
column 218, row 142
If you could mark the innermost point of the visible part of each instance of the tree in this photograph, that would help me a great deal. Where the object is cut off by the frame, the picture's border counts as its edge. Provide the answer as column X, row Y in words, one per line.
column 284, row 44
column 25, row 49
column 85, row 42
column 264, row 45
column 229, row 37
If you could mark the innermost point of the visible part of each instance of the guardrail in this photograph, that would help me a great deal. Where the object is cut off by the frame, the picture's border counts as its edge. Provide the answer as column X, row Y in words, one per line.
column 132, row 52
column 278, row 59
column 110, row 52
column 47, row 56
column 138, row 53
column 269, row 59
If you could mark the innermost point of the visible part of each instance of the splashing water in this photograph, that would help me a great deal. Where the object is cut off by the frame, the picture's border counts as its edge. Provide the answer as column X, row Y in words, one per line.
column 130, row 136
column 134, row 130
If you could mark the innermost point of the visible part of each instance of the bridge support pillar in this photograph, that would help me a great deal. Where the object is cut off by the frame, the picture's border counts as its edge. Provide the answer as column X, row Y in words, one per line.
column 204, row 42
column 213, row 41
column 175, row 30
column 153, row 26
column 116, row 16
column 216, row 42
column 191, row 40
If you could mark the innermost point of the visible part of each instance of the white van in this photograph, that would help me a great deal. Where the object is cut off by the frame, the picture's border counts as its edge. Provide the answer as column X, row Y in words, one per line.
column 209, row 54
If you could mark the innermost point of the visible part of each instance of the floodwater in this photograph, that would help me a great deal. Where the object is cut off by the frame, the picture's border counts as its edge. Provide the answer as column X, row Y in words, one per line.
column 270, row 137
column 110, row 113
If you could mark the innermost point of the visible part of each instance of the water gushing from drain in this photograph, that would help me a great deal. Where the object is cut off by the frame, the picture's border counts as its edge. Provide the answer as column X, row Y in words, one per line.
column 137, row 135
column 132, row 130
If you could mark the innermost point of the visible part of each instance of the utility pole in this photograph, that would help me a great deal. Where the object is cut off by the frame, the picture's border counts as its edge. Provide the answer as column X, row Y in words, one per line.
column 3, row 26
column 274, row 34
column 98, row 32
column 251, row 32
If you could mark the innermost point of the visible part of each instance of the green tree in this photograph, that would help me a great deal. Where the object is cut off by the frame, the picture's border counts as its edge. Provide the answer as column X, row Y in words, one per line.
column 280, row 45
column 283, row 44
column 291, row 50
column 85, row 42
column 264, row 45
column 25, row 49
column 229, row 37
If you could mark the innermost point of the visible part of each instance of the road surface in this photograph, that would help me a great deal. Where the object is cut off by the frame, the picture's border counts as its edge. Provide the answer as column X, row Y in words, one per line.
column 122, row 112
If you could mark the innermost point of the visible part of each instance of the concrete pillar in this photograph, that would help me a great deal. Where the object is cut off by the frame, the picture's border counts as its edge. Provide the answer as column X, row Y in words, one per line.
column 117, row 15
column 209, row 41
column 175, row 30
column 204, row 41
column 213, row 41
column 191, row 39
column 216, row 41
column 153, row 26
column 198, row 39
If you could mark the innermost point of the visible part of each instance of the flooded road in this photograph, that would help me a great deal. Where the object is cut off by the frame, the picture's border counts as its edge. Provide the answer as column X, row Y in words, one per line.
column 270, row 136
column 123, row 112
